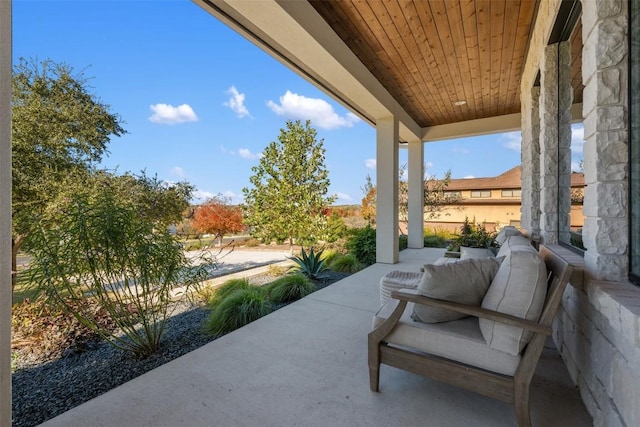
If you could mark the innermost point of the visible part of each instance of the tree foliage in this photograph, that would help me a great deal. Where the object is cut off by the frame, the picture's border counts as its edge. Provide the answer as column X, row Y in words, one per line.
column 289, row 185
column 216, row 216
column 436, row 197
column 59, row 128
column 369, row 201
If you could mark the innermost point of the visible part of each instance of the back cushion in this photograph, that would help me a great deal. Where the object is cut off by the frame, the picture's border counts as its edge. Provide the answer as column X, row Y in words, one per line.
column 465, row 281
column 513, row 242
column 519, row 288
column 507, row 231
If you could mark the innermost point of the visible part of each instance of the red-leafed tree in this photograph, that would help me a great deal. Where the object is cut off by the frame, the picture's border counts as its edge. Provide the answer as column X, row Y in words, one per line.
column 216, row 216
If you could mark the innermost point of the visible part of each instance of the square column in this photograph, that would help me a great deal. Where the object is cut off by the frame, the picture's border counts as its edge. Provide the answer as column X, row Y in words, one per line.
column 555, row 142
column 5, row 213
column 387, row 185
column 416, row 195
column 605, row 57
column 530, row 207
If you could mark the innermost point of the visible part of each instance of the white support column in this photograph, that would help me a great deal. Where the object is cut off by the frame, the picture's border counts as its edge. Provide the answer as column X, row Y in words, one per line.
column 416, row 195
column 5, row 213
column 387, row 196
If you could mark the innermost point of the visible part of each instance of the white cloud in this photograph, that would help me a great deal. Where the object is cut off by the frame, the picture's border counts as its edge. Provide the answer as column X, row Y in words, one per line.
column 512, row 141
column 428, row 165
column 236, row 103
column 233, row 197
column 245, row 153
column 319, row 111
column 370, row 163
column 344, row 197
column 575, row 166
column 577, row 139
column 468, row 177
column 177, row 171
column 170, row 115
column 200, row 196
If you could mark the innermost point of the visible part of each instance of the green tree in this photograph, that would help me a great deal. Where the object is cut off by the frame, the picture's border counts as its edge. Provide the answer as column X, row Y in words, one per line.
column 436, row 197
column 59, row 128
column 290, row 184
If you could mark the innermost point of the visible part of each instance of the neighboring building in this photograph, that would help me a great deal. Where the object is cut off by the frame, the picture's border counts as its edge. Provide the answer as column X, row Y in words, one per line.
column 496, row 201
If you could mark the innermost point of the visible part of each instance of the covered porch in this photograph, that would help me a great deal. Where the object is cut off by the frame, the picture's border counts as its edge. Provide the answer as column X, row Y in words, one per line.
column 419, row 76
column 306, row 364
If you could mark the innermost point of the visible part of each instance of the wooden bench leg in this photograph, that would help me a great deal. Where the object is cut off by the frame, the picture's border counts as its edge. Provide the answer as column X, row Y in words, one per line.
column 374, row 365
column 521, row 404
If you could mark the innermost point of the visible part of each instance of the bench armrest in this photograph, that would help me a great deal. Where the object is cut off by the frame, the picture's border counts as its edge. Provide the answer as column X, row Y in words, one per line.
column 412, row 296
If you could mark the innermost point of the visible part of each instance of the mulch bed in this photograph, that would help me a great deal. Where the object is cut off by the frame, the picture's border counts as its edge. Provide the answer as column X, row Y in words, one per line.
column 43, row 389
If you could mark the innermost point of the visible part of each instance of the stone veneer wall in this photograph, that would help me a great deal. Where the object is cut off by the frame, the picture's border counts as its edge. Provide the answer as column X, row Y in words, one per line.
column 598, row 329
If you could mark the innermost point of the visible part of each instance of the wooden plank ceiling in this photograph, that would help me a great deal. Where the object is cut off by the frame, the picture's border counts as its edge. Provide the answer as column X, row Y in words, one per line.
column 431, row 54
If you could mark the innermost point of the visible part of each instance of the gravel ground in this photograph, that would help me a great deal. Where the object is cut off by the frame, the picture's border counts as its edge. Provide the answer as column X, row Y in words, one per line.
column 41, row 392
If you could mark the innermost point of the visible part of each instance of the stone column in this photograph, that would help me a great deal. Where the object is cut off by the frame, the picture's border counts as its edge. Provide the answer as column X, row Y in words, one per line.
column 605, row 76
column 565, row 100
column 5, row 213
column 549, row 145
column 416, row 195
column 387, row 185
column 530, row 155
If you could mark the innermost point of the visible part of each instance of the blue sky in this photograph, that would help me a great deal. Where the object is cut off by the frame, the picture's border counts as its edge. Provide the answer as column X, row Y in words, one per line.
column 200, row 103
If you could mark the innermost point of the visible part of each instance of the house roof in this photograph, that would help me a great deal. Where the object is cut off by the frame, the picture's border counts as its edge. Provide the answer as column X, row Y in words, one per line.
column 510, row 179
column 413, row 59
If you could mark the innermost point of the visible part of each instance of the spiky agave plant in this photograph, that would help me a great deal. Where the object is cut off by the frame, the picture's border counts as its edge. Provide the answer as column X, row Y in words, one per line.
column 311, row 265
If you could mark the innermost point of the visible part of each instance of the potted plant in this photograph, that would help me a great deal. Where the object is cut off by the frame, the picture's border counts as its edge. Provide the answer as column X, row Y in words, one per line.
column 474, row 239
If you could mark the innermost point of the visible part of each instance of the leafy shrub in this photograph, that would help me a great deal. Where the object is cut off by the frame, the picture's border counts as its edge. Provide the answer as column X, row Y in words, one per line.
column 251, row 243
column 335, row 228
column 105, row 249
column 237, row 309
column 329, row 255
column 227, row 288
column 434, row 242
column 289, row 288
column 403, row 242
column 346, row 264
column 311, row 265
column 362, row 244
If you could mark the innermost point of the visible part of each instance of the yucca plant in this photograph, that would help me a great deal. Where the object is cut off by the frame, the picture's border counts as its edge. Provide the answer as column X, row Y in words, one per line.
column 241, row 307
column 289, row 288
column 311, row 265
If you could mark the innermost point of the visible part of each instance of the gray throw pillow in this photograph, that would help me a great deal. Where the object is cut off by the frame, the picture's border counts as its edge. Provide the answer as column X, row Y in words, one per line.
column 465, row 281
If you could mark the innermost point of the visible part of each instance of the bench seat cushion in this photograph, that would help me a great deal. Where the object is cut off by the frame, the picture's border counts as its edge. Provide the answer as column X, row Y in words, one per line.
column 459, row 340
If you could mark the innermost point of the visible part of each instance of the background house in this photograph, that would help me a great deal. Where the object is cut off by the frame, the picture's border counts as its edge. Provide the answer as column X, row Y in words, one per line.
column 495, row 201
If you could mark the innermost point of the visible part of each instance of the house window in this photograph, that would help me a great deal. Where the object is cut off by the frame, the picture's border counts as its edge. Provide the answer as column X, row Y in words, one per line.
column 479, row 194
column 634, row 141
column 511, row 193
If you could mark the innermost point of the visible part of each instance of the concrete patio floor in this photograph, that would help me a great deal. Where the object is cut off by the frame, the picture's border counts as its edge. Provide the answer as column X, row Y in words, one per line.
column 306, row 365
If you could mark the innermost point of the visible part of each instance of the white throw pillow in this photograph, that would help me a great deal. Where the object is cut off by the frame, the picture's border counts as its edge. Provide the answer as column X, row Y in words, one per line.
column 519, row 288
column 465, row 281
